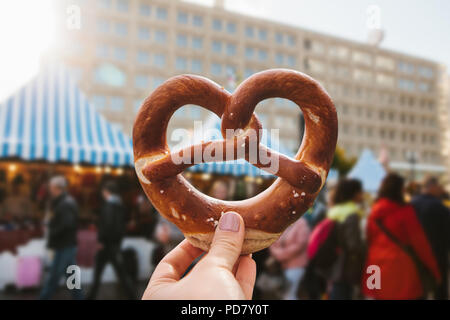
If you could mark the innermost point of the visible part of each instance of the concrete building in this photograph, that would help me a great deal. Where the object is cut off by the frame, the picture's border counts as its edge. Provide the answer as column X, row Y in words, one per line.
column 385, row 100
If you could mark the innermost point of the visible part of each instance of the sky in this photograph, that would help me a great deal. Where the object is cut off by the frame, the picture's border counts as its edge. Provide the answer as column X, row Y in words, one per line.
column 417, row 27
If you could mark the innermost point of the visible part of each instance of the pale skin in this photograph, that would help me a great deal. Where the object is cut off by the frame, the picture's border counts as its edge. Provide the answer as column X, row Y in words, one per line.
column 222, row 274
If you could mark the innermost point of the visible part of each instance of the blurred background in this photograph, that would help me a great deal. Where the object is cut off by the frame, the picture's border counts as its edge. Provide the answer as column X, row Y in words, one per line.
column 75, row 73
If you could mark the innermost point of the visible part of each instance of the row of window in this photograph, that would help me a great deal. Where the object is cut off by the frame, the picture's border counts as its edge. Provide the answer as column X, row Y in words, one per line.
column 390, row 116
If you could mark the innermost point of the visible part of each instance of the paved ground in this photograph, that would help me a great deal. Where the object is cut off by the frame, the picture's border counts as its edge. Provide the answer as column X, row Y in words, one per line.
column 108, row 291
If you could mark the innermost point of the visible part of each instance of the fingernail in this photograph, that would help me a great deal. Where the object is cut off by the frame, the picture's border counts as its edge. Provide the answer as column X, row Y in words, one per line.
column 229, row 222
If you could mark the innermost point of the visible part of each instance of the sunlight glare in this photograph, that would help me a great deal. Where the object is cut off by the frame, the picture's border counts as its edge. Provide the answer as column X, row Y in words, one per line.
column 27, row 31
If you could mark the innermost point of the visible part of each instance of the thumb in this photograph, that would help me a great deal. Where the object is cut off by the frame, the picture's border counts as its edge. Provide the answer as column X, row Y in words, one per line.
column 227, row 243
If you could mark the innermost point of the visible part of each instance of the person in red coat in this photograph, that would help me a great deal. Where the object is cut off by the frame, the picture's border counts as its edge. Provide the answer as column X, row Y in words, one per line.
column 399, row 278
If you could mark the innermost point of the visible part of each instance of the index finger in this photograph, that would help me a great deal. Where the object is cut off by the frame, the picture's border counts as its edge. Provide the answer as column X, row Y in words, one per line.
column 175, row 263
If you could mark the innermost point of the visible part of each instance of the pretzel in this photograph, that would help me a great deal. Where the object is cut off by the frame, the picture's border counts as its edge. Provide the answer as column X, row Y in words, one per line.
column 267, row 214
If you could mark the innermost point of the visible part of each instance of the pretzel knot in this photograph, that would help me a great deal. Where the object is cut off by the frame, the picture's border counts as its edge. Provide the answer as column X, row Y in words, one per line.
column 269, row 213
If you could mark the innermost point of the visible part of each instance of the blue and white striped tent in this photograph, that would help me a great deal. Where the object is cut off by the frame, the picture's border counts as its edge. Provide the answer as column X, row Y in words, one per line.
column 238, row 167
column 50, row 119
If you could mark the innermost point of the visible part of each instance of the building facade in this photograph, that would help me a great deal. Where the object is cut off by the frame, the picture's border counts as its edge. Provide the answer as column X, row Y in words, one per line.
column 386, row 100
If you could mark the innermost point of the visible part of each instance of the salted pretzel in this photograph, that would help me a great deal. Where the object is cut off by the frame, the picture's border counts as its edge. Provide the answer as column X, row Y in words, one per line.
column 267, row 214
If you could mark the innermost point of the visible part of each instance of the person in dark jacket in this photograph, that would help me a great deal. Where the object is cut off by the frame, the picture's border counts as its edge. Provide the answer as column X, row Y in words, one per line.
column 111, row 230
column 435, row 220
column 62, row 229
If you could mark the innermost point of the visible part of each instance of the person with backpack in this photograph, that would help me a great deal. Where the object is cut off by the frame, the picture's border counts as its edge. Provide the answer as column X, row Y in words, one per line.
column 336, row 248
column 111, row 230
column 397, row 248
column 346, row 213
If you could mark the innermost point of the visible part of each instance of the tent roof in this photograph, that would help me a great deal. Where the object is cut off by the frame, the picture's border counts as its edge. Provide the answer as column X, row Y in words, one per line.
column 369, row 171
column 50, row 119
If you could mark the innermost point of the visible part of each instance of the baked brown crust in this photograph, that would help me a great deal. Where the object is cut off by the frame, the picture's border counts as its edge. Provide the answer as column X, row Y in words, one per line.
column 269, row 212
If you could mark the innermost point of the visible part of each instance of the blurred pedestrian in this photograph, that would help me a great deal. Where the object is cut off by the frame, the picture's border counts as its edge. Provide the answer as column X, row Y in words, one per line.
column 435, row 220
column 291, row 251
column 62, row 229
column 346, row 212
column 17, row 205
column 397, row 245
column 271, row 283
column 111, row 230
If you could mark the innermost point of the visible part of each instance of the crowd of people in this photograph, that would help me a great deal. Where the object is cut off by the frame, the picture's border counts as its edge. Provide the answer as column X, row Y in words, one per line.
column 337, row 251
column 346, row 246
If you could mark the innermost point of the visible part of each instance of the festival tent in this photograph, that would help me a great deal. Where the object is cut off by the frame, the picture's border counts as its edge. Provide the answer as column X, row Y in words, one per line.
column 369, row 171
column 239, row 167
column 50, row 119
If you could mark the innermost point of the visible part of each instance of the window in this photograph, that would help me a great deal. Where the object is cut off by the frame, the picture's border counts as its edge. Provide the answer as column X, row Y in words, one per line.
column 121, row 29
column 141, row 81
column 99, row 102
column 291, row 41
column 262, row 55
column 144, row 10
column 102, row 50
column 291, row 61
column 109, row 74
column 157, row 82
column 279, row 38
column 117, row 103
column 216, row 69
column 262, row 34
column 182, row 18
column 161, row 13
column 143, row 33
column 143, row 57
column 424, row 87
column 105, row 4
column 120, row 53
column 362, row 75
column 362, row 57
column 249, row 32
column 159, row 60
column 317, row 47
column 181, row 64
column 279, row 58
column 385, row 80
column 217, row 46
column 338, row 52
column 405, row 67
column 231, row 70
column 197, row 43
column 249, row 53
column 122, row 5
column 425, row 72
column 217, row 25
column 231, row 49
column 196, row 65
column 197, row 21
column 160, row 36
column 231, row 27
column 103, row 26
column 385, row 63
column 137, row 104
column 314, row 65
column 182, row 41
column 248, row 72
column 405, row 84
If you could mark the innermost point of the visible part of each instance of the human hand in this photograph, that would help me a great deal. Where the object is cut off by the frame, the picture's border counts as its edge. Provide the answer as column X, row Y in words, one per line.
column 222, row 274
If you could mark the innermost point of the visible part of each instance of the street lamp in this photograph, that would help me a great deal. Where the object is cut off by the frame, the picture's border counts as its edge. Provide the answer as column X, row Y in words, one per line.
column 412, row 156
